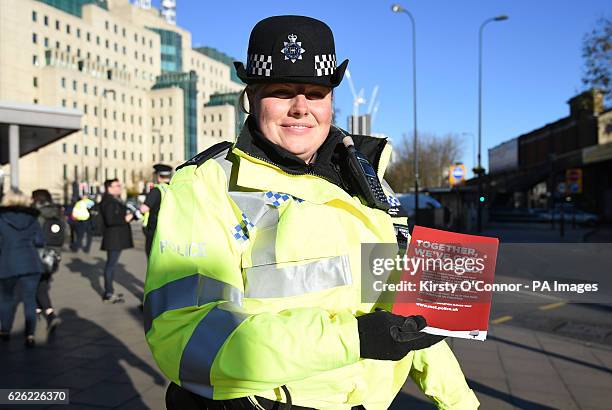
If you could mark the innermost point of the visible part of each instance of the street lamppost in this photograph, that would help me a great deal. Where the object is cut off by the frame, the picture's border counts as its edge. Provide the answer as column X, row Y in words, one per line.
column 479, row 170
column 396, row 8
column 100, row 133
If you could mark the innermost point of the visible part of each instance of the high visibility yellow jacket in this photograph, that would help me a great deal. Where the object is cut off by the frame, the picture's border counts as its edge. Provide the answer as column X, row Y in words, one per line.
column 163, row 187
column 254, row 283
column 80, row 211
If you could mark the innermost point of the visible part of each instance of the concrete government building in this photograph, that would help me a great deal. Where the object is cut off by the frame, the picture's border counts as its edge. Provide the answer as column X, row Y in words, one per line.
column 145, row 95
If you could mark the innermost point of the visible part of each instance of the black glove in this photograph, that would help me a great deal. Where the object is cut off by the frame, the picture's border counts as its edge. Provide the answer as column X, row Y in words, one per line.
column 385, row 336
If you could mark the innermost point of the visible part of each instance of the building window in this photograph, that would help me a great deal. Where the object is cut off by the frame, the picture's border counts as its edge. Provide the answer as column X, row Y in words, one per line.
column 220, row 133
column 84, row 88
column 105, row 152
column 57, row 45
column 46, row 20
column 95, row 90
column 105, row 133
column 35, row 81
column 212, row 133
column 34, row 38
column 116, row 48
column 170, row 138
column 46, row 42
column 115, row 29
column 68, row 48
column 64, row 148
column 85, row 129
column 140, row 142
column 135, row 37
column 78, row 33
column 140, row 157
column 34, row 16
column 67, row 28
column 63, row 82
column 74, row 85
column 57, row 24
column 98, row 40
column 123, row 51
column 220, row 117
column 96, row 131
column 74, row 105
column 35, row 100
column 115, row 134
column 75, row 149
column 106, row 25
column 106, row 43
column 123, row 32
column 123, row 155
column 85, row 151
column 153, row 157
column 88, row 36
column 95, row 151
column 170, row 156
column 65, row 171
column 161, row 156
column 115, row 154
column 132, row 156
column 63, row 103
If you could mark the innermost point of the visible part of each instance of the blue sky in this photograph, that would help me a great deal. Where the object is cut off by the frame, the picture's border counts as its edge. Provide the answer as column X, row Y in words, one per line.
column 531, row 63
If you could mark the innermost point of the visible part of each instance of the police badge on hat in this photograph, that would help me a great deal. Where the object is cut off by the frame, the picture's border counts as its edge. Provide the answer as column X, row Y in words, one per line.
column 292, row 49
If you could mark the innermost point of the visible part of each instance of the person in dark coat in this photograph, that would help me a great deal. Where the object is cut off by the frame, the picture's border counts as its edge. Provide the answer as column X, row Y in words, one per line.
column 51, row 217
column 20, row 236
column 117, row 234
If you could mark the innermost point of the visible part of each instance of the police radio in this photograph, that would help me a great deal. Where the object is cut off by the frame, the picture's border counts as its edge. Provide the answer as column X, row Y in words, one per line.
column 364, row 175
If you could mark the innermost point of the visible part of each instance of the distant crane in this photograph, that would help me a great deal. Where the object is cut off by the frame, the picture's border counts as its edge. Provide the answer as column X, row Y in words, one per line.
column 357, row 98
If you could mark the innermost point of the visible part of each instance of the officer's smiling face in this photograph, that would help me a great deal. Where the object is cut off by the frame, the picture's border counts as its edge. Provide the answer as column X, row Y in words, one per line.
column 295, row 116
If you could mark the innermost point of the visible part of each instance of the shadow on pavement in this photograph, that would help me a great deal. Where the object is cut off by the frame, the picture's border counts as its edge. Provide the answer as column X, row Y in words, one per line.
column 96, row 367
column 551, row 354
column 90, row 271
column 405, row 401
column 94, row 272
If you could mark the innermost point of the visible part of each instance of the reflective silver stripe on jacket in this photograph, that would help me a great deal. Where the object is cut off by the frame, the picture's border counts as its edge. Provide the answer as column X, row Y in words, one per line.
column 203, row 346
column 269, row 281
column 192, row 290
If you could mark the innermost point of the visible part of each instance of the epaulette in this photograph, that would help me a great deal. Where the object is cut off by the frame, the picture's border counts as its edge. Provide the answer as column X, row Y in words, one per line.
column 210, row 152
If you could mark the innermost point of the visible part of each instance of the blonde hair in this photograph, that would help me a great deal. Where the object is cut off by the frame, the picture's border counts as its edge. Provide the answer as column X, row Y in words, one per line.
column 16, row 198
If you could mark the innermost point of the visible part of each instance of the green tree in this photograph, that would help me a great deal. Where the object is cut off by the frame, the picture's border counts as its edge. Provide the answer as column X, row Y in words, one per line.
column 597, row 55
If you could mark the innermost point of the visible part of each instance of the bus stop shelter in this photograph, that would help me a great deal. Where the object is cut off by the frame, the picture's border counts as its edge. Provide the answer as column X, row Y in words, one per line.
column 25, row 128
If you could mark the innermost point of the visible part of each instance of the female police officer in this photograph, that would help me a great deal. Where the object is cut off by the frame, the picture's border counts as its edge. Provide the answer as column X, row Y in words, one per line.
column 253, row 289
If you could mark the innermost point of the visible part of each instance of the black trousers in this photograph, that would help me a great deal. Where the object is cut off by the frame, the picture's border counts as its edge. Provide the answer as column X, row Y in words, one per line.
column 178, row 398
column 42, row 293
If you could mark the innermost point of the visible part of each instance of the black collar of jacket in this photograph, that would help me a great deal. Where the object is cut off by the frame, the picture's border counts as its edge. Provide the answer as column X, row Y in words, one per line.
column 330, row 162
column 20, row 209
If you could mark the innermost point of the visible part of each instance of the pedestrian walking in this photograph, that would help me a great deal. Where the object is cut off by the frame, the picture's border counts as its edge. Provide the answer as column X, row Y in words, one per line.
column 253, row 288
column 52, row 222
column 150, row 207
column 82, row 224
column 20, row 236
column 116, row 236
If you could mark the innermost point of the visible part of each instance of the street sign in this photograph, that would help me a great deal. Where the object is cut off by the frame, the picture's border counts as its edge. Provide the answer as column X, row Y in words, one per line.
column 456, row 175
column 561, row 187
column 573, row 179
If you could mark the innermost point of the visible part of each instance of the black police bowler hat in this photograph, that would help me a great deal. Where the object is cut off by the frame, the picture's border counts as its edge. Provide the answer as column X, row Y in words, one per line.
column 291, row 49
column 162, row 170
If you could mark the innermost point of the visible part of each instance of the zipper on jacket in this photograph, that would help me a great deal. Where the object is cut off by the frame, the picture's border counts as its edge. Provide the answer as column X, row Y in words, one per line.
column 296, row 173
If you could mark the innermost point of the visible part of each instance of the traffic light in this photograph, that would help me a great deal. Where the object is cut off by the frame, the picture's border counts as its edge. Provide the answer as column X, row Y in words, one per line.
column 482, row 199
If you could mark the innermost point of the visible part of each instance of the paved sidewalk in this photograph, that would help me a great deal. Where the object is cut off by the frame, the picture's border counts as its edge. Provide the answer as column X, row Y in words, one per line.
column 100, row 354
